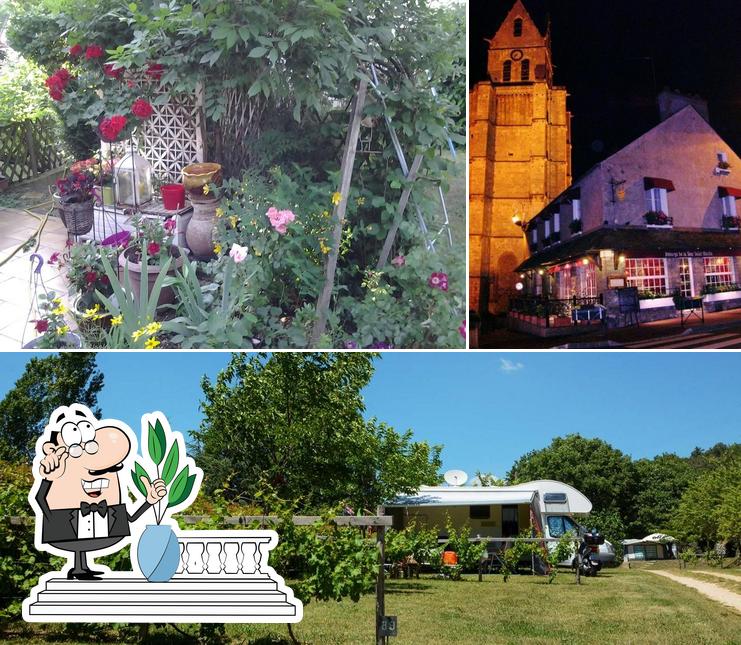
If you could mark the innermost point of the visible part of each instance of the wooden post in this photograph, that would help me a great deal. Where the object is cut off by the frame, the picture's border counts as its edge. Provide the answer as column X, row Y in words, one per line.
column 578, row 565
column 346, row 168
column 380, row 583
column 411, row 177
column 31, row 145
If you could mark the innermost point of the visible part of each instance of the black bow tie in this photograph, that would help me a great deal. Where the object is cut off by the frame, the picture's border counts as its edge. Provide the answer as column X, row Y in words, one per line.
column 99, row 508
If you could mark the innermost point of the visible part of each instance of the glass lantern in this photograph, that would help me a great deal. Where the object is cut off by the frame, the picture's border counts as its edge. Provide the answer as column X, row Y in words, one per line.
column 133, row 178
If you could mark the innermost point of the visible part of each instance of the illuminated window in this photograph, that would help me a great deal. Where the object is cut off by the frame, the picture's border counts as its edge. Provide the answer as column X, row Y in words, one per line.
column 507, row 72
column 718, row 271
column 535, row 235
column 656, row 200
column 547, row 225
column 556, row 222
column 576, row 209
column 647, row 274
column 729, row 206
column 525, row 70
column 518, row 28
column 685, row 278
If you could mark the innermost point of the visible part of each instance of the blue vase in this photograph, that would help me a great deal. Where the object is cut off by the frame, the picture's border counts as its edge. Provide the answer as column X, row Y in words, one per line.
column 158, row 553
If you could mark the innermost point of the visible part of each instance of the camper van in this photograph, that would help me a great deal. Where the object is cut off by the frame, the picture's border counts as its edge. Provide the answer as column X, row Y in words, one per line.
column 547, row 506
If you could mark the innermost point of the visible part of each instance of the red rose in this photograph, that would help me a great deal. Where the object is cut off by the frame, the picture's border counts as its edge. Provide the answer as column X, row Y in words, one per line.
column 110, row 70
column 110, row 129
column 63, row 75
column 153, row 248
column 142, row 109
column 94, row 51
column 75, row 50
column 56, row 93
column 155, row 71
column 91, row 277
column 42, row 326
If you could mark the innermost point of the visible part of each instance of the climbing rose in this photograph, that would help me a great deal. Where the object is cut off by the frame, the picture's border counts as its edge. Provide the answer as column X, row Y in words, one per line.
column 238, row 253
column 111, row 128
column 63, row 75
column 94, row 51
column 153, row 248
column 109, row 69
column 142, row 109
column 42, row 326
column 279, row 220
column 438, row 281
column 155, row 71
column 75, row 50
column 56, row 93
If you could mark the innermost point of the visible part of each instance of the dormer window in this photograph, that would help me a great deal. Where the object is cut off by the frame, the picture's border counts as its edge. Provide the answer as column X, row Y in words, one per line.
column 728, row 197
column 723, row 167
column 507, row 71
column 657, row 204
column 525, row 70
column 576, row 210
column 517, row 31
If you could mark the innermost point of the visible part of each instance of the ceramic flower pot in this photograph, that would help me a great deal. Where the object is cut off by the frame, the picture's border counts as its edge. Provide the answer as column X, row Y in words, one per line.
column 69, row 340
column 158, row 553
column 199, row 234
column 197, row 175
column 167, row 294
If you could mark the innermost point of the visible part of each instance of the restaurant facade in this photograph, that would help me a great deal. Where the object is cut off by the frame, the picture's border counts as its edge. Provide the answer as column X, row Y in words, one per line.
column 656, row 220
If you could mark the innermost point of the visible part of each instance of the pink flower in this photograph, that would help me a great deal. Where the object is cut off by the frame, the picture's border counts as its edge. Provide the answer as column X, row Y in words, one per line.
column 153, row 248
column 170, row 225
column 238, row 253
column 42, row 326
column 462, row 329
column 75, row 50
column 438, row 281
column 398, row 261
column 279, row 220
column 142, row 109
column 94, row 51
column 54, row 258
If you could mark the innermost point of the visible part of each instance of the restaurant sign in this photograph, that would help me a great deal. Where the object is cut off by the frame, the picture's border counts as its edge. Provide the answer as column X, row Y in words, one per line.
column 689, row 254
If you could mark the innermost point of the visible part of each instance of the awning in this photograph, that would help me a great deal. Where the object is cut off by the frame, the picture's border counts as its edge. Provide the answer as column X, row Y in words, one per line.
column 463, row 496
column 657, row 182
column 727, row 191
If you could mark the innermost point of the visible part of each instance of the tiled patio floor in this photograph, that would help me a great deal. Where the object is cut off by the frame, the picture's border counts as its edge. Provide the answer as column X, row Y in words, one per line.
column 16, row 286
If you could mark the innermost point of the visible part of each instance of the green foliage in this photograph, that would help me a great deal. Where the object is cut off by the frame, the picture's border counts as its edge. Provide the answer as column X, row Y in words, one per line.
column 412, row 542
column 469, row 553
column 295, row 421
column 611, row 525
column 23, row 96
column 45, row 384
column 522, row 550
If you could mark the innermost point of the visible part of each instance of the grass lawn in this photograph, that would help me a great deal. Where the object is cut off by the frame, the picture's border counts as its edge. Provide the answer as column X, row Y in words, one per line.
column 619, row 606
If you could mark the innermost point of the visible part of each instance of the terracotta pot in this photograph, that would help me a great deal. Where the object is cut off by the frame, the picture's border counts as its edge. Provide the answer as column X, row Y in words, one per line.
column 199, row 234
column 167, row 294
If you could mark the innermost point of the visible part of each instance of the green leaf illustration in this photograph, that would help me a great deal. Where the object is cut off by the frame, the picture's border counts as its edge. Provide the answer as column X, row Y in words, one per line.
column 185, row 492
column 157, row 442
column 178, row 486
column 171, row 463
column 136, row 475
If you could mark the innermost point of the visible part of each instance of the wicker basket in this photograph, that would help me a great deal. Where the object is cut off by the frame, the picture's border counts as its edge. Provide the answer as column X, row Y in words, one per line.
column 77, row 218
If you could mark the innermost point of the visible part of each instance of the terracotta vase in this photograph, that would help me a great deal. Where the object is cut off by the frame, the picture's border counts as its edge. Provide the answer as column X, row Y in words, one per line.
column 199, row 234
column 167, row 294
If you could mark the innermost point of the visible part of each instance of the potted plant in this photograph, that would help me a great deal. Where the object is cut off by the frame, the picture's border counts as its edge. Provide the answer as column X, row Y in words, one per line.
column 730, row 222
column 74, row 201
column 723, row 168
column 157, row 550
column 54, row 330
column 656, row 218
column 154, row 241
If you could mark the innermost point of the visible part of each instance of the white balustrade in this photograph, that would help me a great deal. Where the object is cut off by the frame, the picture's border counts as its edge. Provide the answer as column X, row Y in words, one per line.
column 212, row 553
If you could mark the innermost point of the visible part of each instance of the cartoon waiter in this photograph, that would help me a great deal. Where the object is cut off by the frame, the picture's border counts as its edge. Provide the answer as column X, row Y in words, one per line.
column 79, row 497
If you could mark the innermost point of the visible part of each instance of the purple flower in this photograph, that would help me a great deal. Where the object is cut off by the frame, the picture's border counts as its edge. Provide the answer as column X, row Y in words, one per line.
column 351, row 344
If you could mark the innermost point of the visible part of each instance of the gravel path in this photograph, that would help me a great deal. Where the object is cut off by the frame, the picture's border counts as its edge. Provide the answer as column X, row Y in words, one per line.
column 718, row 574
column 708, row 589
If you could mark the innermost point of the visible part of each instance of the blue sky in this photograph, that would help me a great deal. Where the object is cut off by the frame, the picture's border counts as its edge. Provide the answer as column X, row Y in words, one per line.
column 487, row 409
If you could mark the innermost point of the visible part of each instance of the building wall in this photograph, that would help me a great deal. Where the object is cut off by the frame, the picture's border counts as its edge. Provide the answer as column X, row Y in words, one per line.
column 519, row 159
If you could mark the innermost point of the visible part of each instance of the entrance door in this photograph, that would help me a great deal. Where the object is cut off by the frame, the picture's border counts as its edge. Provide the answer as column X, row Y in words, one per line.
column 510, row 521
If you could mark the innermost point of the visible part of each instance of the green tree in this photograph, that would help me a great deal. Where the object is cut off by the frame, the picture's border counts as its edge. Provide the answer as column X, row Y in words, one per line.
column 661, row 484
column 45, row 384
column 294, row 422
column 603, row 473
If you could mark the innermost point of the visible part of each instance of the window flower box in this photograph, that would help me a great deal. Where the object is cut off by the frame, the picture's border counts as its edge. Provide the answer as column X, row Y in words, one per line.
column 720, row 296
column 656, row 303
column 730, row 223
column 723, row 168
column 658, row 219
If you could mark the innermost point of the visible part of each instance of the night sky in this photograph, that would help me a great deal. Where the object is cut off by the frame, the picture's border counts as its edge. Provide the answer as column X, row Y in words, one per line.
column 601, row 51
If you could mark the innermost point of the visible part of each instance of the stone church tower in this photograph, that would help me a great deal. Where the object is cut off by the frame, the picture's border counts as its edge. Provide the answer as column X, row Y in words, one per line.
column 519, row 154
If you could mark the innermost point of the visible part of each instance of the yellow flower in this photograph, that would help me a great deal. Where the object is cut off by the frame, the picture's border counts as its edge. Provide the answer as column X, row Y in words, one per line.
column 61, row 309
column 151, row 343
column 57, row 301
column 336, row 198
column 152, row 328
column 62, row 330
column 92, row 312
column 326, row 213
column 233, row 221
column 360, row 201
column 217, row 249
column 116, row 320
column 325, row 249
column 139, row 333
column 219, row 211
column 206, row 190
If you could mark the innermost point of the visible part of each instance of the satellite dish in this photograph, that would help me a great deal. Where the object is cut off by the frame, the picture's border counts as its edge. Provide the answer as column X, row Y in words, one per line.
column 455, row 477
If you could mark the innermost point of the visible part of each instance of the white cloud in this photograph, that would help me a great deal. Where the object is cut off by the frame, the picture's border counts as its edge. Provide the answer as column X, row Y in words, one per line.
column 510, row 366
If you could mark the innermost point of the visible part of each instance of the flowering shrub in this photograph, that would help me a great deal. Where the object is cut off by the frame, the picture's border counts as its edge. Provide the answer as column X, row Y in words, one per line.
column 156, row 236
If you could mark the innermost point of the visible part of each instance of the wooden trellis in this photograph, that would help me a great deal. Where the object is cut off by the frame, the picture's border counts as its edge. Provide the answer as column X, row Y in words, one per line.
column 29, row 148
column 173, row 137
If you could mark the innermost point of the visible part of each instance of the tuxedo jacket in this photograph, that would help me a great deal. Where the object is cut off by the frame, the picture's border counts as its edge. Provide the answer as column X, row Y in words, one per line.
column 60, row 525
